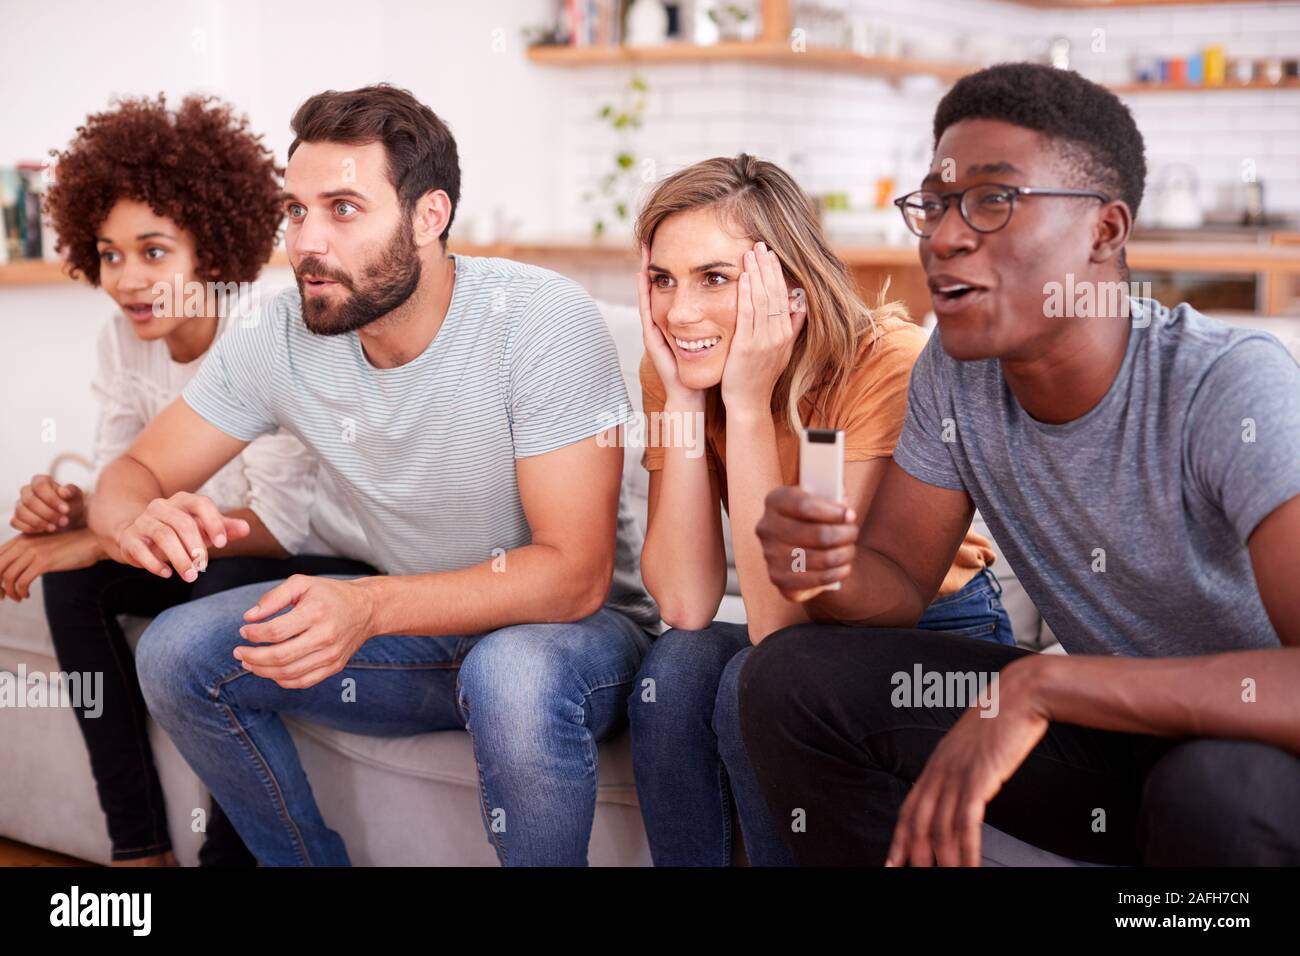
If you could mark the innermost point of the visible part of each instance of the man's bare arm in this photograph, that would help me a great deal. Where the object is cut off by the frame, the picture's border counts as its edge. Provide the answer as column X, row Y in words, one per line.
column 891, row 567
column 258, row 543
column 570, row 497
column 132, row 512
column 1249, row 695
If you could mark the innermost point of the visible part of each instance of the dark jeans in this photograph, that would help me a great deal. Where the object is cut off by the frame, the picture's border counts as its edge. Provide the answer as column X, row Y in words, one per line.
column 821, row 727
column 82, row 607
column 688, row 757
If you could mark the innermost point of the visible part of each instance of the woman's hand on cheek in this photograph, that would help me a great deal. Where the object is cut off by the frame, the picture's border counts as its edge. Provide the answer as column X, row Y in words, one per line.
column 766, row 330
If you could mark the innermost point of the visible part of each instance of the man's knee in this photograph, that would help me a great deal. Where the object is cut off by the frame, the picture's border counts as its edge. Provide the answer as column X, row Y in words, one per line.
column 797, row 669
column 1212, row 802
column 510, row 684
column 180, row 654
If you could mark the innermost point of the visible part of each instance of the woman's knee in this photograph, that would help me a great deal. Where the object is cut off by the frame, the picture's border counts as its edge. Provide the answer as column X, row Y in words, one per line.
column 70, row 591
column 678, row 679
column 726, row 705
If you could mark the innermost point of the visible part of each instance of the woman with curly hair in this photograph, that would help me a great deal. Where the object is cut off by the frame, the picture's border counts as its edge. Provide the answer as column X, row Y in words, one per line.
column 148, row 202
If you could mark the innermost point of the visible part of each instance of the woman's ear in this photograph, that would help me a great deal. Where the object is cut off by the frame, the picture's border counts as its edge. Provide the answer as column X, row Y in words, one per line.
column 798, row 308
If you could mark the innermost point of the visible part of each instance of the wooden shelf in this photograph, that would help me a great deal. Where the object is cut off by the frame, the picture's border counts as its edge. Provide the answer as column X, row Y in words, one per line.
column 31, row 272
column 1289, row 84
column 37, row 272
column 771, row 54
column 826, row 60
column 1153, row 256
column 1092, row 4
column 1143, row 255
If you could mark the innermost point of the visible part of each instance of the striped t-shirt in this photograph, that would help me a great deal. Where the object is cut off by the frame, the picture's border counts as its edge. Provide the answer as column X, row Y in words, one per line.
column 425, row 452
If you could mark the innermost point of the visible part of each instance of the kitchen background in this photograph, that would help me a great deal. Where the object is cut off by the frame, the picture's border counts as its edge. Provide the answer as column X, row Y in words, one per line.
column 564, row 112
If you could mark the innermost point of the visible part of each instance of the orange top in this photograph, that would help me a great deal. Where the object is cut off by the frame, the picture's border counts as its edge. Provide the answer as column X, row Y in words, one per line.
column 871, row 419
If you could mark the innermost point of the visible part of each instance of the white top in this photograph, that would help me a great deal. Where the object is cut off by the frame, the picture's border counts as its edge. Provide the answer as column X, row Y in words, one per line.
column 275, row 476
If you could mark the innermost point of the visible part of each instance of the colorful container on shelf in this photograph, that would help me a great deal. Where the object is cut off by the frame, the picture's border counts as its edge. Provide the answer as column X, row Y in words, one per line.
column 1210, row 67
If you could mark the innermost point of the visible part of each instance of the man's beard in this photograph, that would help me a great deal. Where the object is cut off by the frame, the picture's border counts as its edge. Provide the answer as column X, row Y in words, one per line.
column 391, row 280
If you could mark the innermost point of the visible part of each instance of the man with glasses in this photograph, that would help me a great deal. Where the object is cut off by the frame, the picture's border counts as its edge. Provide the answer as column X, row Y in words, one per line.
column 1139, row 466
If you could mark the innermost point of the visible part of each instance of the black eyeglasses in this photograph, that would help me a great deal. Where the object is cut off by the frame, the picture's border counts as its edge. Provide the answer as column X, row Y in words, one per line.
column 985, row 208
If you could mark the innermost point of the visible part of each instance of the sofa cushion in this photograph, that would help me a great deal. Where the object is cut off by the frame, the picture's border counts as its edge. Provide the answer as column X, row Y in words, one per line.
column 448, row 757
column 22, row 624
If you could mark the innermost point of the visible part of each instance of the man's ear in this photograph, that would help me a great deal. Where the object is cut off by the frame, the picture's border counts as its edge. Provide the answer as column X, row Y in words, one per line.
column 1114, row 225
column 432, row 213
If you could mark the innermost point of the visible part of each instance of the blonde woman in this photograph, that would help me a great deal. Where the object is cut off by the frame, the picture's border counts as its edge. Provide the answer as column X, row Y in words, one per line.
column 750, row 320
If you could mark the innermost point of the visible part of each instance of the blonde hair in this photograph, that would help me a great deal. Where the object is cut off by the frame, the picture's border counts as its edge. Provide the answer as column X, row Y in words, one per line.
column 765, row 203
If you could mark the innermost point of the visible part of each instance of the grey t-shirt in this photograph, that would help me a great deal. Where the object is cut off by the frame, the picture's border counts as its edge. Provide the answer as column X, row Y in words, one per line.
column 1128, row 525
column 424, row 454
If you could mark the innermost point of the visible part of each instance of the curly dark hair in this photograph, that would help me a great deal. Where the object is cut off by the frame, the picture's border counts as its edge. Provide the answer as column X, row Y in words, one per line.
column 1102, row 141
column 199, row 166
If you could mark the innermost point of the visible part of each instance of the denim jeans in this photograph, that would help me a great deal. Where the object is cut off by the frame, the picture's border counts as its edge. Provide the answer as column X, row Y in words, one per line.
column 974, row 611
column 688, row 755
column 82, row 608
column 535, row 698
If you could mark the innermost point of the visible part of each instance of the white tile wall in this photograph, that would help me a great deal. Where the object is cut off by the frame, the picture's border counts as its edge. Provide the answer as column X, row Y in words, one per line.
column 839, row 133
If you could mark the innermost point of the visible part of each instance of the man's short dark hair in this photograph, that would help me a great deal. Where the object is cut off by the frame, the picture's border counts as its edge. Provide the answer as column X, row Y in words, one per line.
column 1091, row 122
column 421, row 151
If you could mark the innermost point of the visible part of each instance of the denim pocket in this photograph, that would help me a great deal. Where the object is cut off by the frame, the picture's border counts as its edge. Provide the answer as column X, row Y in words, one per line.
column 978, row 631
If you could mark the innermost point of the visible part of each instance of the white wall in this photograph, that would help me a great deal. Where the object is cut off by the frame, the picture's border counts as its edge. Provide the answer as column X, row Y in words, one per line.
column 838, row 133
column 66, row 58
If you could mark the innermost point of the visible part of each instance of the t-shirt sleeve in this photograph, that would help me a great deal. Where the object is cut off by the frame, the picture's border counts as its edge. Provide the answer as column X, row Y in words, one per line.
column 925, row 446
column 872, row 417
column 232, row 388
column 564, row 378
column 1242, row 437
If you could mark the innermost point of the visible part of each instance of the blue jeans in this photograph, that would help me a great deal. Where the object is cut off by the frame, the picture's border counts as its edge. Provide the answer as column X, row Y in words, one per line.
column 536, row 699
column 974, row 611
column 687, row 753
